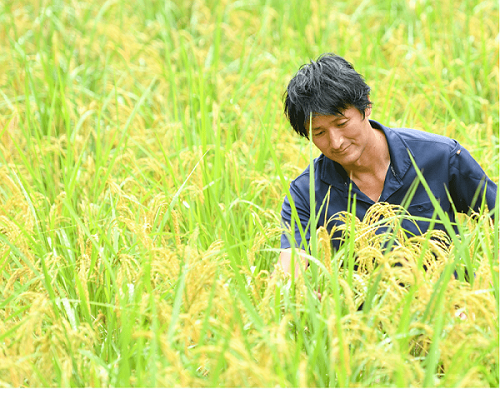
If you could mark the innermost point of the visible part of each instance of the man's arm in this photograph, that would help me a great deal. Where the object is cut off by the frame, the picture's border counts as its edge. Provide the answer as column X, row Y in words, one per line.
column 286, row 263
column 466, row 177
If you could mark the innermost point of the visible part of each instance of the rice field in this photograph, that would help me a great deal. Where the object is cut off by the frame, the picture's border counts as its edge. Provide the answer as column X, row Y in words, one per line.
column 144, row 157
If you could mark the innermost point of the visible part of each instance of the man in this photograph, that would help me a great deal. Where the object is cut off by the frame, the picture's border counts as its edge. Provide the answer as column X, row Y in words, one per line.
column 330, row 100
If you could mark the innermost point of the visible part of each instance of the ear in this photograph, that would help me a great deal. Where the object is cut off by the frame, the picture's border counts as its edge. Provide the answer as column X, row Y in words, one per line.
column 368, row 110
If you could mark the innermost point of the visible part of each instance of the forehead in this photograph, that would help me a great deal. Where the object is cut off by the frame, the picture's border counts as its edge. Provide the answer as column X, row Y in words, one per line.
column 319, row 120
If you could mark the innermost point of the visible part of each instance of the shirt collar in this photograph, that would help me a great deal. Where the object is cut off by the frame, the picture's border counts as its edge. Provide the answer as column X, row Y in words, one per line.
column 335, row 175
column 398, row 149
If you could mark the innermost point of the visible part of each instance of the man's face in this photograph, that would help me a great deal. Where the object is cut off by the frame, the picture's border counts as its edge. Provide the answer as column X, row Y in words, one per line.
column 343, row 138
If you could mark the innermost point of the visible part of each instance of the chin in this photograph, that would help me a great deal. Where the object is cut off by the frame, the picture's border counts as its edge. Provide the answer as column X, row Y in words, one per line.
column 347, row 161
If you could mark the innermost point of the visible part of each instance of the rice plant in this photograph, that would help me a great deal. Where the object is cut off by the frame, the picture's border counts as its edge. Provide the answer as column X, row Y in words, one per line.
column 144, row 158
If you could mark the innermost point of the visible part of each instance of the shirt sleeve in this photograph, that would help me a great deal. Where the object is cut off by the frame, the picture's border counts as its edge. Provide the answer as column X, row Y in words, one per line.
column 469, row 183
column 292, row 229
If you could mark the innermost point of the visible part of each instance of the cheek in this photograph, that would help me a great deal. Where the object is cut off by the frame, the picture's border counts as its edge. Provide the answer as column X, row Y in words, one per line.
column 319, row 143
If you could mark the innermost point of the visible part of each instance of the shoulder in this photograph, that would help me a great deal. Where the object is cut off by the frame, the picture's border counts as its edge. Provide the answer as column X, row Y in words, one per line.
column 302, row 182
column 318, row 165
column 427, row 149
column 418, row 140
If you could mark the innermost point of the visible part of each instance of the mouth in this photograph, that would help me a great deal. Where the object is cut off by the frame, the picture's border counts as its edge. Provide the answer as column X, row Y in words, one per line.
column 341, row 152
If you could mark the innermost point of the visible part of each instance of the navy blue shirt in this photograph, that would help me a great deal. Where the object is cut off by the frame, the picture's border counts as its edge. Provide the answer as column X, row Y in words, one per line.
column 446, row 166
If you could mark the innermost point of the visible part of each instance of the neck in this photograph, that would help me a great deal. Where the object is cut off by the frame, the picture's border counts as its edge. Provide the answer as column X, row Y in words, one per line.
column 374, row 160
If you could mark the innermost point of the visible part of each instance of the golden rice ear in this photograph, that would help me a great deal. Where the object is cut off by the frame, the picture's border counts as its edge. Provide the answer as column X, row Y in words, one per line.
column 325, row 244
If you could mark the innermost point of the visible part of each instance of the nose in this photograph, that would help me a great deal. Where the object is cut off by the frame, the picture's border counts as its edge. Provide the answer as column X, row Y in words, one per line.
column 336, row 139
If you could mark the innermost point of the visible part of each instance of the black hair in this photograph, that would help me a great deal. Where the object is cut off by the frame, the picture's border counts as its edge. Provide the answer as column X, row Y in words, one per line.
column 327, row 86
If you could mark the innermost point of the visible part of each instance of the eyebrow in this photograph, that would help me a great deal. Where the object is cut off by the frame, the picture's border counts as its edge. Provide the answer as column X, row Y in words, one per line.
column 341, row 117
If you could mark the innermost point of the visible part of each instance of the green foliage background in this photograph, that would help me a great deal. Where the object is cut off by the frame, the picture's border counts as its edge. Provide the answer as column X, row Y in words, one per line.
column 143, row 161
